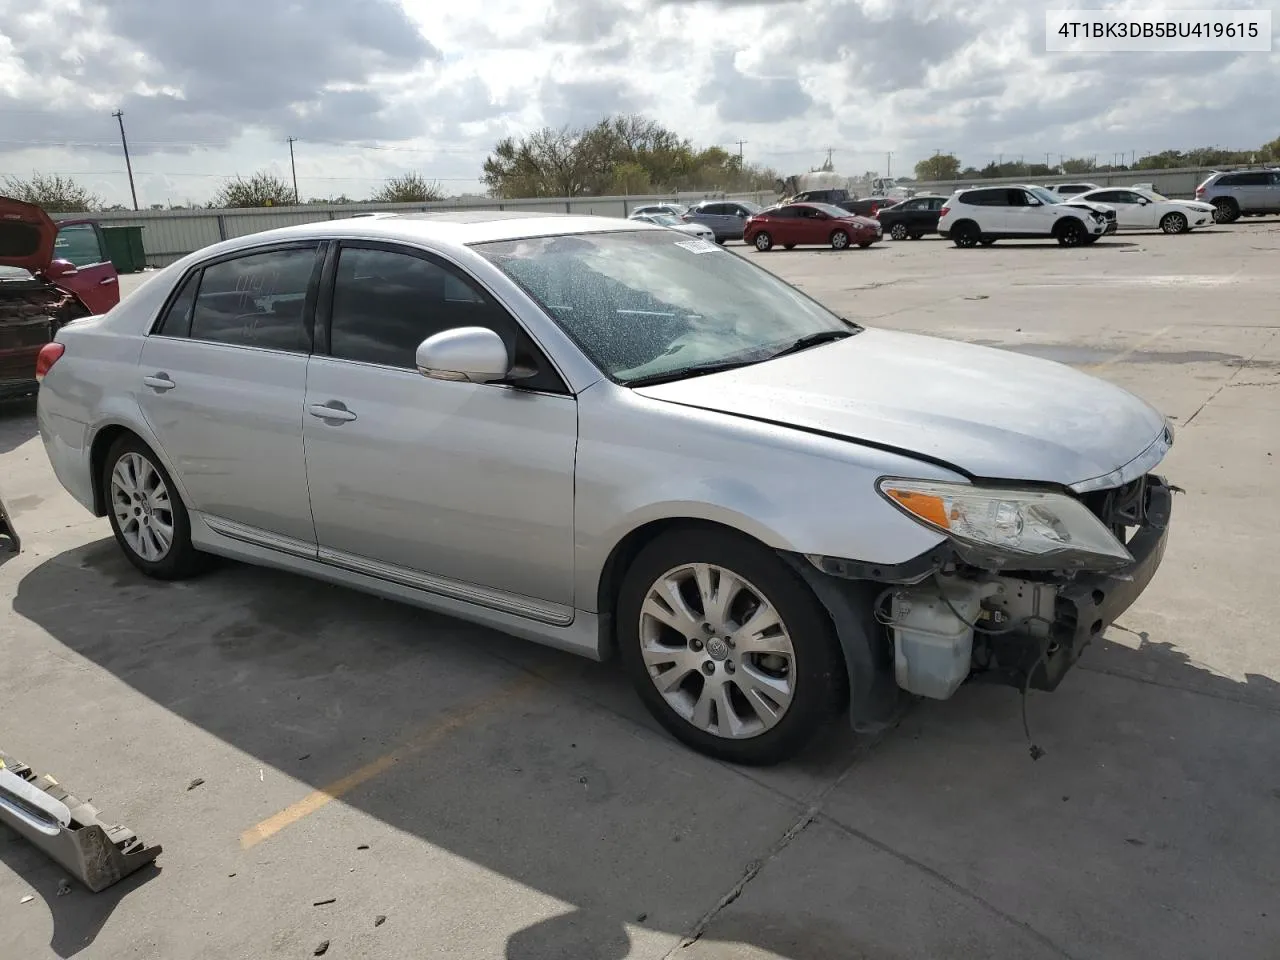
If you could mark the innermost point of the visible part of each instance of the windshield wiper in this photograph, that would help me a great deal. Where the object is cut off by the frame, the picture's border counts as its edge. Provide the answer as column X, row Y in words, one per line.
column 697, row 370
column 812, row 340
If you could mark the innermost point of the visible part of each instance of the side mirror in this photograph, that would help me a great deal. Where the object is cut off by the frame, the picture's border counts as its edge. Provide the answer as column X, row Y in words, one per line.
column 471, row 354
column 57, row 269
column 1034, row 202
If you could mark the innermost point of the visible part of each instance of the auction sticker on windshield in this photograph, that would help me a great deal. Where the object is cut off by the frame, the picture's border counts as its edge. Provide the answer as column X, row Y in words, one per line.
column 698, row 246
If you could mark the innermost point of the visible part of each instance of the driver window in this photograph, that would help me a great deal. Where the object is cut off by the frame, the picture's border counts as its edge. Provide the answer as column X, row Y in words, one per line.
column 386, row 303
column 1018, row 198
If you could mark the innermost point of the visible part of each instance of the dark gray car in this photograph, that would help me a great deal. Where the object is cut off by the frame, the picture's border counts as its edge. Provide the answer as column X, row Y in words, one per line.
column 726, row 218
column 1241, row 193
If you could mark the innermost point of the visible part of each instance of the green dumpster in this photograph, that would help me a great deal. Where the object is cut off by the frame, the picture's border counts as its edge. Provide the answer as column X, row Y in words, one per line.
column 124, row 248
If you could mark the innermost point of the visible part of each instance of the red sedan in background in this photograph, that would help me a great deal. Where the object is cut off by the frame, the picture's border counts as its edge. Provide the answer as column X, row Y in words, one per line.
column 792, row 224
column 50, row 274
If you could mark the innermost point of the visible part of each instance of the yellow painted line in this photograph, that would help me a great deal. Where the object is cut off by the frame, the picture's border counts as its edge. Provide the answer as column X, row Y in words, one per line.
column 357, row 778
column 1126, row 354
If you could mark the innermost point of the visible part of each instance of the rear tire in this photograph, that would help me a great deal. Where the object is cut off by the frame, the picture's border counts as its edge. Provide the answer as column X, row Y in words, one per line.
column 763, row 242
column 148, row 517
column 1225, row 210
column 899, row 231
column 803, row 683
column 965, row 235
column 839, row 240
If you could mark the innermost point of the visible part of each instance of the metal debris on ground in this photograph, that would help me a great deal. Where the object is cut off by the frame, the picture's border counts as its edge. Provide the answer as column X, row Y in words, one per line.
column 321, row 948
column 321, row 903
column 27, row 899
column 68, row 829
column 379, row 920
column 195, row 783
column 64, row 887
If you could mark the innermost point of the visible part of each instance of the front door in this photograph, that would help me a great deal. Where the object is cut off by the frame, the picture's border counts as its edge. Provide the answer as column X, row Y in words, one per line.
column 95, row 281
column 458, row 488
column 221, row 384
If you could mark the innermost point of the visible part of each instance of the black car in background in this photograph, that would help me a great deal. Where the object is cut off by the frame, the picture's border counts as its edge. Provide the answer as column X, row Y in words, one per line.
column 912, row 218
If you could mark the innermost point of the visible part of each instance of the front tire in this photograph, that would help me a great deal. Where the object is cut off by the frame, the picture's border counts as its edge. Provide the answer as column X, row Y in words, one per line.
column 148, row 517
column 1174, row 223
column 839, row 240
column 727, row 647
column 763, row 242
column 899, row 231
column 1070, row 233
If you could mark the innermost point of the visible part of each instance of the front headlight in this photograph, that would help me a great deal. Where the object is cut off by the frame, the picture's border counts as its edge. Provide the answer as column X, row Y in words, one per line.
column 1024, row 529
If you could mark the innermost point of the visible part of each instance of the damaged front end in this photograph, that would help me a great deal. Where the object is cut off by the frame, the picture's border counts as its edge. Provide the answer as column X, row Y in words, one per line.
column 32, row 311
column 1024, row 628
column 1026, row 579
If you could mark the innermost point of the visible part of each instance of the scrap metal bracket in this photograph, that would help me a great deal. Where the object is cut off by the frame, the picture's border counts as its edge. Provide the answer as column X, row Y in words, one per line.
column 68, row 829
column 9, row 539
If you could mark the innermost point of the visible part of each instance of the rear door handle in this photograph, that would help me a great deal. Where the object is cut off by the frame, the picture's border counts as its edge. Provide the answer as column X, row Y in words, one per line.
column 326, row 412
column 159, row 382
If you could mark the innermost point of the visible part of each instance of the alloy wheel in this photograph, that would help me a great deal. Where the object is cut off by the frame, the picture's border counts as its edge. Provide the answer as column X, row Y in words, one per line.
column 717, row 651
column 899, row 231
column 839, row 240
column 1173, row 223
column 142, row 507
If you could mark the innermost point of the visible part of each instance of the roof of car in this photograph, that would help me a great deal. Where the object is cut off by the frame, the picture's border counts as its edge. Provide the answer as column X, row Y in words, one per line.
column 450, row 227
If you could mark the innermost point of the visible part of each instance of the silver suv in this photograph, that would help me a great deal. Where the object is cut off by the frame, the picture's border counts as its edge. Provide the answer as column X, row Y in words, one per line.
column 1241, row 193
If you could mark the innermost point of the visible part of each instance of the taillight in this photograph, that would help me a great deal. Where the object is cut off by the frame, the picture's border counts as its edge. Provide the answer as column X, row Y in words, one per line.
column 47, row 357
column 1200, row 190
column 944, row 211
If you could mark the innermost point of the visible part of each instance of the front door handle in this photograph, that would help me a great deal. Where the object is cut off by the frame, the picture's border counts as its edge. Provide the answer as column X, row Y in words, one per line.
column 325, row 411
column 159, row 382
column 107, row 281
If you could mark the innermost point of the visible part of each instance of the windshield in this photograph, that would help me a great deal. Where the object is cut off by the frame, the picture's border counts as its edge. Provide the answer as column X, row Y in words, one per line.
column 831, row 210
column 1045, row 196
column 662, row 219
column 645, row 303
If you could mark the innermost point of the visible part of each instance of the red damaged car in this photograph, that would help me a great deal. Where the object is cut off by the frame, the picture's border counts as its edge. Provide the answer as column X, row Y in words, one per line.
column 50, row 274
column 791, row 224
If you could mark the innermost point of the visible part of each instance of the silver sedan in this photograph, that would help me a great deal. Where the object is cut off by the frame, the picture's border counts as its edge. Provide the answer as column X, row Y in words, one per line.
column 699, row 230
column 615, row 439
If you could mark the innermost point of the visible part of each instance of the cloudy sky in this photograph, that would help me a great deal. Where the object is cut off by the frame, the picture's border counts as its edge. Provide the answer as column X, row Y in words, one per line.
column 379, row 87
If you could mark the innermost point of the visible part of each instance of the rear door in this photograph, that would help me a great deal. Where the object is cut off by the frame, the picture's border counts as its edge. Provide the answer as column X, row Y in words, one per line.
column 221, row 382
column 1272, row 201
column 1131, row 214
column 95, row 281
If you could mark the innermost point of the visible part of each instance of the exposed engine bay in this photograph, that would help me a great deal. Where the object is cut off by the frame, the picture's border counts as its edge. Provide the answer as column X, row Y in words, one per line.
column 31, row 312
column 961, row 622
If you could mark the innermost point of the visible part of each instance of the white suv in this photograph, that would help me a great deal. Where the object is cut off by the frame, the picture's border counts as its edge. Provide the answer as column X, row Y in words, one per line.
column 986, row 214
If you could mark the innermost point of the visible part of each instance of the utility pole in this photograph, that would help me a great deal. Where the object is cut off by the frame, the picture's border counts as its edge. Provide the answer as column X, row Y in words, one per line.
column 888, row 164
column 740, row 143
column 119, row 115
column 293, row 168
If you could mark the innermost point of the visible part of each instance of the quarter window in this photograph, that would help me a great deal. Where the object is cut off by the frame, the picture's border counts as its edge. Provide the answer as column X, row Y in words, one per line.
column 256, row 301
column 177, row 319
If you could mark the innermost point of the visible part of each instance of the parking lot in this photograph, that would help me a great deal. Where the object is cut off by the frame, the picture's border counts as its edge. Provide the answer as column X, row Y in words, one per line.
column 401, row 784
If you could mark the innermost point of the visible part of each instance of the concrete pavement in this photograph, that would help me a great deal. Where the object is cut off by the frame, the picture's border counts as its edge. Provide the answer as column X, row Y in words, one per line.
column 494, row 799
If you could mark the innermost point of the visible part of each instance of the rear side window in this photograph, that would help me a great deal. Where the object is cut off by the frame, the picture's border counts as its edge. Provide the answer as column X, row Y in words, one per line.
column 986, row 198
column 177, row 319
column 78, row 242
column 256, row 301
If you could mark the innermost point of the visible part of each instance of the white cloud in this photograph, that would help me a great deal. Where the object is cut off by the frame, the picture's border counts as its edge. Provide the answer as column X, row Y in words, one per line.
column 376, row 89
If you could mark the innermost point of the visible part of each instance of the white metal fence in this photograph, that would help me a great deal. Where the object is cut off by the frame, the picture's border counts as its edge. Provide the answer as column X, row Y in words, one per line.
column 171, row 234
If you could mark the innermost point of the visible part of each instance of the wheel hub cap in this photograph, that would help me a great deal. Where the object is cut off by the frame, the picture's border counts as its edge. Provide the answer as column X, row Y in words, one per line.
column 717, row 651
column 142, row 508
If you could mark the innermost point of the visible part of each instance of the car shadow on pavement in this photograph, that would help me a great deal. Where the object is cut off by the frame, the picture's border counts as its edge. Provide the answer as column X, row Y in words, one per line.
column 566, row 788
column 17, row 423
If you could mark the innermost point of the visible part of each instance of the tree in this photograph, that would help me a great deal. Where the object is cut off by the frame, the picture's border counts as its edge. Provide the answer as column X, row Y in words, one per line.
column 622, row 154
column 263, row 189
column 56, row 194
column 1077, row 165
column 409, row 188
column 941, row 166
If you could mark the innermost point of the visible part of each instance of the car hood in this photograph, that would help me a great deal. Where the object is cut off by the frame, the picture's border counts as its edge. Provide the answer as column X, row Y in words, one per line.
column 1198, row 205
column 991, row 413
column 27, row 236
column 1088, row 205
